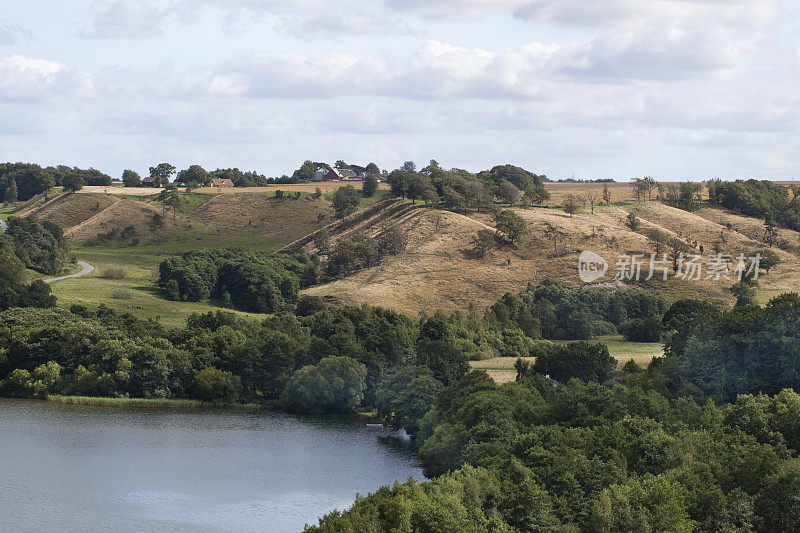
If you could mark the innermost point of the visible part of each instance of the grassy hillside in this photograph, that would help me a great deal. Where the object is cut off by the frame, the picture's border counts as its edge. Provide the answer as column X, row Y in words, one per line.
column 253, row 220
column 436, row 271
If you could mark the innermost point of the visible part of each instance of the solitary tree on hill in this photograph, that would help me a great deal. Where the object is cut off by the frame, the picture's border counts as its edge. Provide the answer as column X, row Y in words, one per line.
column 606, row 194
column 572, row 203
column 593, row 197
column 511, row 225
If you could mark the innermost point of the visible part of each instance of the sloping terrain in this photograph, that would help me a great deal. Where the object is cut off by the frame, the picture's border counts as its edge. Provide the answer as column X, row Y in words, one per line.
column 436, row 270
column 276, row 219
column 68, row 210
column 126, row 220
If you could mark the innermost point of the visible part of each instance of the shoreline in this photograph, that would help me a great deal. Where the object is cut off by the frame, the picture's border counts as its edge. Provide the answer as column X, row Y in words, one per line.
column 151, row 403
column 366, row 417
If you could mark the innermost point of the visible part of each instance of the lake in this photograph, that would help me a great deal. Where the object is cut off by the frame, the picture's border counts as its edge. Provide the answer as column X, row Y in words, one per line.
column 79, row 468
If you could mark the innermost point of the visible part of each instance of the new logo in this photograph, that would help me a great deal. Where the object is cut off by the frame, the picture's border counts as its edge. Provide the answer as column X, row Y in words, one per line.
column 591, row 266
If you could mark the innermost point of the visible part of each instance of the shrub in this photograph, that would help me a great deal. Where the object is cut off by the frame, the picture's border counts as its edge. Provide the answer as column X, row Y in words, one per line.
column 633, row 222
column 115, row 273
column 121, row 294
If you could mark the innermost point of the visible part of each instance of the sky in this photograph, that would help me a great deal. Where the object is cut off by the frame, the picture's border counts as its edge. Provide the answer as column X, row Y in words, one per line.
column 674, row 89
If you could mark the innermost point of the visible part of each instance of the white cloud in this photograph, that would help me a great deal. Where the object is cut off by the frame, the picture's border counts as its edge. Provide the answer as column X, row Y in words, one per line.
column 126, row 19
column 435, row 71
column 305, row 19
column 608, row 14
column 12, row 34
column 29, row 79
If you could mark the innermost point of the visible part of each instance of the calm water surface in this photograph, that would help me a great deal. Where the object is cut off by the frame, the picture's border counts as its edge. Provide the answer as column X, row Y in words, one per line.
column 75, row 468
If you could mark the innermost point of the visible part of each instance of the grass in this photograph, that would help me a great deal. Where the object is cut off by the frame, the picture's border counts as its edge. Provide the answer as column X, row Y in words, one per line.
column 98, row 401
column 125, row 402
column 379, row 195
column 146, row 299
column 501, row 369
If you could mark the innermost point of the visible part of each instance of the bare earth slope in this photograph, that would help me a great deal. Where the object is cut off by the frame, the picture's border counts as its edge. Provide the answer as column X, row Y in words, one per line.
column 68, row 210
column 276, row 219
column 126, row 214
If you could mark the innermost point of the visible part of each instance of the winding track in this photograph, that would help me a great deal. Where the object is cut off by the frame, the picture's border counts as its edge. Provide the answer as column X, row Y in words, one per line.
column 86, row 268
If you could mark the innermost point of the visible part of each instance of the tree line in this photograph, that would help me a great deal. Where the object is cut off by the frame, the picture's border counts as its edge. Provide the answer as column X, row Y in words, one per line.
column 552, row 310
column 459, row 190
column 23, row 181
column 762, row 199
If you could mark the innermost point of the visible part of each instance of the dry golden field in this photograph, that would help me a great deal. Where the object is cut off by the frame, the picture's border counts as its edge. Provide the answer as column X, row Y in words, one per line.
column 324, row 186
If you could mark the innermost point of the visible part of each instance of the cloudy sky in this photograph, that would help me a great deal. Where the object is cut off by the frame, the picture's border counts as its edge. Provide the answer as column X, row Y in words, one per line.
column 590, row 88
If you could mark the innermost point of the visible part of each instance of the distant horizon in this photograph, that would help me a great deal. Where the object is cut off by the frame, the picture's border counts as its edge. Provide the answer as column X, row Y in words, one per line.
column 145, row 172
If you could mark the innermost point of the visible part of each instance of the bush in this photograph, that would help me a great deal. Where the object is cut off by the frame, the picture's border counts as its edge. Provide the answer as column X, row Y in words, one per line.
column 121, row 294
column 115, row 273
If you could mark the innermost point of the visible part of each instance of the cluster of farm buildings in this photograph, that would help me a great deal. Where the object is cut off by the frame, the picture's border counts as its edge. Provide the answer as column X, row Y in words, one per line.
column 354, row 173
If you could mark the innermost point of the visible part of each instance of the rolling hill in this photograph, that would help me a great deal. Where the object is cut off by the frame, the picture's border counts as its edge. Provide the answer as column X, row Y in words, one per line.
column 436, row 270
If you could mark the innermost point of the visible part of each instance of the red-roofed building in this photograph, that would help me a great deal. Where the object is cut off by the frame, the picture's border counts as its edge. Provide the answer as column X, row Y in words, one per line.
column 340, row 174
column 225, row 182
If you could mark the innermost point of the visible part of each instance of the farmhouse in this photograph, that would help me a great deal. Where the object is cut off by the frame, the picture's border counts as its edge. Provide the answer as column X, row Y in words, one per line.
column 361, row 172
column 149, row 181
column 224, row 182
column 340, row 174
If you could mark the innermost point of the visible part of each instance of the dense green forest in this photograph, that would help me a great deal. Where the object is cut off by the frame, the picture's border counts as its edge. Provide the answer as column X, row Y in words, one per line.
column 644, row 450
column 39, row 245
column 260, row 357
